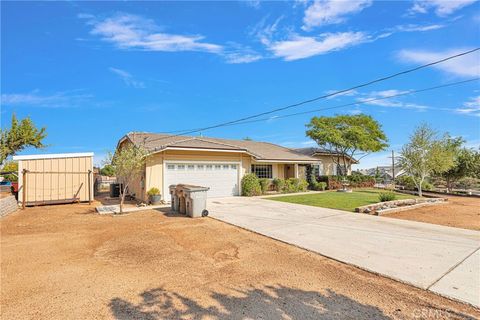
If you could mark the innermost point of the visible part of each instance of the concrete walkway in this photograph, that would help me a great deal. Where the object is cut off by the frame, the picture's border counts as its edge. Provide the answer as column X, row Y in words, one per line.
column 442, row 259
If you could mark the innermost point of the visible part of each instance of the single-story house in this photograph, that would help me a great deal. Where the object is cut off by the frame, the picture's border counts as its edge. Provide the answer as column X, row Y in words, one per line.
column 216, row 163
column 326, row 164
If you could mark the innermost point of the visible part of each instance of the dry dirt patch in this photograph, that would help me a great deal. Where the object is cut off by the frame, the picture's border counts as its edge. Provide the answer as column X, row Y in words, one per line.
column 459, row 212
column 63, row 262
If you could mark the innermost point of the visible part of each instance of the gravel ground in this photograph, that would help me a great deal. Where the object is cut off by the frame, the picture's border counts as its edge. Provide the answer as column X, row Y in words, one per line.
column 459, row 212
column 64, row 262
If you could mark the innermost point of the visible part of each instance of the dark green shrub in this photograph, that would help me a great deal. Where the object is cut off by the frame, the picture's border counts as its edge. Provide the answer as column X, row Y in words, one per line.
column 278, row 184
column 387, row 196
column 251, row 185
column 264, row 184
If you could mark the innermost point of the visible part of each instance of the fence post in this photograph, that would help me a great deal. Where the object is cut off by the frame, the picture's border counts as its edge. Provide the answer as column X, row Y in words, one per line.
column 89, row 187
column 24, row 187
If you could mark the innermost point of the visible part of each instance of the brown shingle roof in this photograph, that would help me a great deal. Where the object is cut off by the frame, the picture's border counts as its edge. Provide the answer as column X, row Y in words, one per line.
column 320, row 151
column 154, row 142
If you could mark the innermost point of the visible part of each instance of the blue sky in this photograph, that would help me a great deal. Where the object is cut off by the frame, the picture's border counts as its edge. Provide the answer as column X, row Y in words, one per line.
column 92, row 71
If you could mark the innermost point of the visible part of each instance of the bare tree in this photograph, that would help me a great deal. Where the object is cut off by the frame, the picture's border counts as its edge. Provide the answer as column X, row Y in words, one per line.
column 129, row 163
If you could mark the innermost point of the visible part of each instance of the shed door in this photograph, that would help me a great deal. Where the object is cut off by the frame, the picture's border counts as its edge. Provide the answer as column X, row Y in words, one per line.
column 221, row 178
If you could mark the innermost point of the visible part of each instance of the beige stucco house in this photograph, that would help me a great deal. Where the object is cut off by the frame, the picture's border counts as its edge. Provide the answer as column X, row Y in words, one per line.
column 216, row 163
column 327, row 161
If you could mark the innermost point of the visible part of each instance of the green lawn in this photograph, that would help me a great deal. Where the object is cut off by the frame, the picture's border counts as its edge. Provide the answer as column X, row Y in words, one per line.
column 339, row 200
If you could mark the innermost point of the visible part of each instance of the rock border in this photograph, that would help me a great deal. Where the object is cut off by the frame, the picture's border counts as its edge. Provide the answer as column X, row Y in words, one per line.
column 381, row 208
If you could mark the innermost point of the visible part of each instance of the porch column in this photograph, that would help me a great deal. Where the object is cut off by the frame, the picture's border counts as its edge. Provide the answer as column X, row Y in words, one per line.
column 295, row 170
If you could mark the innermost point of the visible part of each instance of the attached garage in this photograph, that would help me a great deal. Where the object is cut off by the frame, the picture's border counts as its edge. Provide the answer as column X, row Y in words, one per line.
column 55, row 178
column 221, row 177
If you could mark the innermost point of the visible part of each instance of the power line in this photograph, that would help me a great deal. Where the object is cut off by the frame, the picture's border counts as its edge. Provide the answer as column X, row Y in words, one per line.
column 360, row 102
column 185, row 132
column 352, row 103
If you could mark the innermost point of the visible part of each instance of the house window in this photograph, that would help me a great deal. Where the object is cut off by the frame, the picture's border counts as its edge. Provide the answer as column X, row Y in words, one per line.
column 318, row 169
column 191, row 167
column 233, row 166
column 181, row 167
column 209, row 167
column 170, row 166
column 225, row 166
column 262, row 170
column 218, row 167
column 200, row 166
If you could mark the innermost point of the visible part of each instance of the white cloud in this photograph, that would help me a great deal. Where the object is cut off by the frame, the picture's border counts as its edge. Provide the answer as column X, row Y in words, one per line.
column 127, row 78
column 127, row 31
column 471, row 107
column 324, row 12
column 465, row 66
column 299, row 47
column 421, row 28
column 35, row 99
column 442, row 8
column 390, row 102
column 239, row 57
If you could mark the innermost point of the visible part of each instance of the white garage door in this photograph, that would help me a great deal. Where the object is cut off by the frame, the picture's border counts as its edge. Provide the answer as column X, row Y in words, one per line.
column 221, row 178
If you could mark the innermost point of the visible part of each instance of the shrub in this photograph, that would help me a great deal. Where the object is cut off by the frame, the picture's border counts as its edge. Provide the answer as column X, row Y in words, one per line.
column 291, row 185
column 153, row 192
column 251, row 185
column 321, row 186
column 278, row 184
column 302, row 185
column 264, row 184
column 386, row 196
column 295, row 185
column 355, row 181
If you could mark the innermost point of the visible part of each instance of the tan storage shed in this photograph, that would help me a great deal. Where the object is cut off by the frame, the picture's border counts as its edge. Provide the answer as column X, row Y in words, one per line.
column 55, row 178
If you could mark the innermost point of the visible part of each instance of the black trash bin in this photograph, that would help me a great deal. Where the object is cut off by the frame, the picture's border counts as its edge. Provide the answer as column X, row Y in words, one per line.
column 115, row 190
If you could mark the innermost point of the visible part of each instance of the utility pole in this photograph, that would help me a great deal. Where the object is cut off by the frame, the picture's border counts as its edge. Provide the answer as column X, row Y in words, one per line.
column 393, row 168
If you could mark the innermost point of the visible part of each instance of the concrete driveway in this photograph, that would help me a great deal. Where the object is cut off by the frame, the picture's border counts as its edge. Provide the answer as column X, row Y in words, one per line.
column 441, row 259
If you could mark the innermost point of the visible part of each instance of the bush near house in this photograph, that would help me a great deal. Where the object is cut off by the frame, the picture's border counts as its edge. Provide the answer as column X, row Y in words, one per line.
column 355, row 181
column 264, row 184
column 278, row 184
column 251, row 185
column 295, row 185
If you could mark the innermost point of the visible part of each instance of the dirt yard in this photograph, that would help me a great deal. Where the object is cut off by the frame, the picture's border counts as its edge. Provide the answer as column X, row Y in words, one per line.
column 459, row 212
column 64, row 262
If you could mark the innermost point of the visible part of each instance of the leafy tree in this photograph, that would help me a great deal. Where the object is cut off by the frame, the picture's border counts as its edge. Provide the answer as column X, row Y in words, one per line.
column 466, row 163
column 108, row 170
column 129, row 163
column 346, row 135
column 426, row 154
column 19, row 136
column 10, row 166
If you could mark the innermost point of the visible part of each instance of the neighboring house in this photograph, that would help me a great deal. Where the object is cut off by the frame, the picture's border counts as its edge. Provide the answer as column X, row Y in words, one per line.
column 384, row 174
column 325, row 161
column 218, row 164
